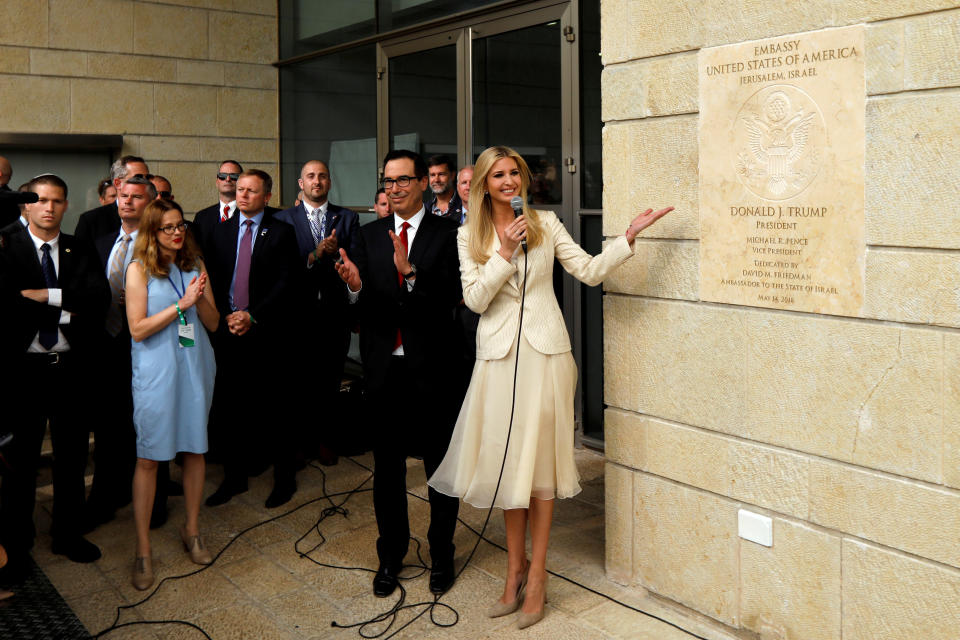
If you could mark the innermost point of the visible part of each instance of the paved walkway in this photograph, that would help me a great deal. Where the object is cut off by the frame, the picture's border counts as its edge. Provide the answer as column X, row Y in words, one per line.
column 261, row 588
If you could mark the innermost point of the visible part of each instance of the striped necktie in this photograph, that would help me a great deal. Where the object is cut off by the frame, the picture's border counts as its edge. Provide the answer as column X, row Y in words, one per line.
column 115, row 278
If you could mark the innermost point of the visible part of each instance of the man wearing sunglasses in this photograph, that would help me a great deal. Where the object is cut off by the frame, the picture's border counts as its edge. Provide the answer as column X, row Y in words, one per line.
column 105, row 219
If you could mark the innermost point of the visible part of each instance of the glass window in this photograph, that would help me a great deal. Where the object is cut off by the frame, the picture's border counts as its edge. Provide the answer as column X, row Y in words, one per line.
column 591, row 122
column 308, row 25
column 328, row 111
column 395, row 14
column 516, row 101
column 591, row 369
column 423, row 101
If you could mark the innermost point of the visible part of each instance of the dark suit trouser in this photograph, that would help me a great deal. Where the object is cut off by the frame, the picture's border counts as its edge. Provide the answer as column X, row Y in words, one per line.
column 407, row 422
column 253, row 405
column 115, row 450
column 45, row 391
column 319, row 367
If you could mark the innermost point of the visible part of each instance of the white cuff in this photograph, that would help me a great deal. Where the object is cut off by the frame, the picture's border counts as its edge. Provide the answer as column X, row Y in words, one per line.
column 55, row 297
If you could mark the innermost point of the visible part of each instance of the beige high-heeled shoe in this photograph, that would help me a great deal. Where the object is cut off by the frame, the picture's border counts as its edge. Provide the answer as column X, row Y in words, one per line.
column 142, row 573
column 525, row 620
column 498, row 609
column 195, row 547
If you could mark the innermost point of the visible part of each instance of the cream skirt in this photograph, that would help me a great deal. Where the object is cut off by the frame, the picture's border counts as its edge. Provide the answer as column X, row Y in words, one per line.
column 540, row 453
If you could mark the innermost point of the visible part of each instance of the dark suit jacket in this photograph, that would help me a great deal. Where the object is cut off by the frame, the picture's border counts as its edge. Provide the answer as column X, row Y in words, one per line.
column 274, row 272
column 454, row 211
column 97, row 222
column 103, row 246
column 9, row 211
column 425, row 316
column 322, row 277
column 13, row 227
column 206, row 220
column 85, row 293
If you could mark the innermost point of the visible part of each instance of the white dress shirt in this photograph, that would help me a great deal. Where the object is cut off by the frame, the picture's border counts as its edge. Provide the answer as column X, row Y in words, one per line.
column 54, row 296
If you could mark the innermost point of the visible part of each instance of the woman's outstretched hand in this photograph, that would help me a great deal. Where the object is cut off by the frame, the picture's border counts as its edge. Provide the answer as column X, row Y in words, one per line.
column 644, row 220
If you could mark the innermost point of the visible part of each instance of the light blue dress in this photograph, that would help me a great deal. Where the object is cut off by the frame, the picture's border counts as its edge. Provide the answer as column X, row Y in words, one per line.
column 172, row 385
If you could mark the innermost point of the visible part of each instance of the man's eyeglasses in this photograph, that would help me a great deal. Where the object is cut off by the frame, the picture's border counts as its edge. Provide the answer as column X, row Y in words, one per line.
column 228, row 176
column 170, row 229
column 400, row 181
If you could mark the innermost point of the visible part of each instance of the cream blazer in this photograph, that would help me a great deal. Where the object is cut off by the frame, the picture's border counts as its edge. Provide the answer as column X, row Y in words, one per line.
column 493, row 289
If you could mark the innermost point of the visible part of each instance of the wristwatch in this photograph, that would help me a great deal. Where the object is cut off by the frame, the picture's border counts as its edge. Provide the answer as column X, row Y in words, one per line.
column 412, row 274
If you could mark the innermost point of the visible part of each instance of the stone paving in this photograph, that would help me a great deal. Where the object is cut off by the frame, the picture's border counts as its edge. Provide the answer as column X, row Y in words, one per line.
column 260, row 587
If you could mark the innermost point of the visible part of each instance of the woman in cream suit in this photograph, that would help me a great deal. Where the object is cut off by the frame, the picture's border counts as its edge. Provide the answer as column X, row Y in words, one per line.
column 539, row 459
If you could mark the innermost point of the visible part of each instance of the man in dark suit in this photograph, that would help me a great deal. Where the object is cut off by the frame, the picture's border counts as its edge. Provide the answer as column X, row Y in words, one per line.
column 115, row 454
column 254, row 267
column 445, row 198
column 321, row 228
column 206, row 220
column 54, row 298
column 9, row 211
column 105, row 219
column 403, row 275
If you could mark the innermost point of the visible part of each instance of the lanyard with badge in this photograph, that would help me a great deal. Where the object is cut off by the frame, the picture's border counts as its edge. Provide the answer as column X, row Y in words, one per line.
column 185, row 332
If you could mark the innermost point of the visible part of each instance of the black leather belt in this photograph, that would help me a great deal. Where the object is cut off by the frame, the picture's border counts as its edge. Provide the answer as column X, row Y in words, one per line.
column 48, row 358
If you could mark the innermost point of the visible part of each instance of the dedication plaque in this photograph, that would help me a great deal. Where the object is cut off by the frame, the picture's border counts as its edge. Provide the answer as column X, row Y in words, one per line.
column 781, row 172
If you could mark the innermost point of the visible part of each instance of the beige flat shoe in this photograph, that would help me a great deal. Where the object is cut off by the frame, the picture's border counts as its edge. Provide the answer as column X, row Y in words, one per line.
column 195, row 547
column 142, row 573
column 498, row 609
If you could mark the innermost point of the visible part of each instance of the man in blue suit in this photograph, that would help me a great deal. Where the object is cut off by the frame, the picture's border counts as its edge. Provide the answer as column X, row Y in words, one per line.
column 321, row 228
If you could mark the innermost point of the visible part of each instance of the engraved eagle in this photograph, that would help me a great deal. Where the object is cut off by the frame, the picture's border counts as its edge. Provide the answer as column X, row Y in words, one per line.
column 776, row 139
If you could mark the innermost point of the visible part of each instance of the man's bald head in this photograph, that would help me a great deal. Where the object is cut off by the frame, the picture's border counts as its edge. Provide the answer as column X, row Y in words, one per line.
column 5, row 170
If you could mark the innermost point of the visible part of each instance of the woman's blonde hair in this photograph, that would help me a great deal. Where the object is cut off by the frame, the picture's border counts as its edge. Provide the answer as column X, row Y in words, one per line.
column 480, row 218
column 147, row 248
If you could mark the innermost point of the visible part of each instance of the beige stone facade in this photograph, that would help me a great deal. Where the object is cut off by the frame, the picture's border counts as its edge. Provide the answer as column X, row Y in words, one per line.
column 187, row 83
column 844, row 429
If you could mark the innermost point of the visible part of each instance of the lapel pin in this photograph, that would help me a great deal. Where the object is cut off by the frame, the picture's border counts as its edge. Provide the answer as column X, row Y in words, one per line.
column 67, row 249
column 263, row 232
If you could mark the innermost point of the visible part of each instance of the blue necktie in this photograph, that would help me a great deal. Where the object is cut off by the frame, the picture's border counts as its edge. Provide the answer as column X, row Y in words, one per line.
column 48, row 330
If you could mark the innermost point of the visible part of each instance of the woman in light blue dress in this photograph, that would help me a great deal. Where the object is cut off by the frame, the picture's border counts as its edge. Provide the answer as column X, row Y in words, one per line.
column 168, row 304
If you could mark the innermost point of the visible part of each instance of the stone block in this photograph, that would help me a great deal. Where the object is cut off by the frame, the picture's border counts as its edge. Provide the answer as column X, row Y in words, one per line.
column 769, row 477
column 951, row 410
column 129, row 67
column 884, row 57
column 262, row 7
column 193, row 183
column 31, row 104
column 240, row 149
column 250, row 113
column 625, row 438
column 169, row 148
column 931, row 42
column 623, row 91
column 856, row 392
column 652, row 163
column 252, row 76
column 93, row 25
column 16, row 60
column 171, row 31
column 199, row 72
column 913, row 286
column 618, row 488
column 23, row 22
column 793, row 585
column 898, row 513
column 54, row 62
column 107, row 106
column 674, row 360
column 869, row 11
column 187, row 110
column 243, row 38
column 660, row 269
column 912, row 169
column 688, row 456
column 671, row 84
column 686, row 546
column 894, row 597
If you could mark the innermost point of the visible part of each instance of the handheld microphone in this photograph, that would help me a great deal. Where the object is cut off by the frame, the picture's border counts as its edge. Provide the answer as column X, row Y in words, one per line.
column 516, row 202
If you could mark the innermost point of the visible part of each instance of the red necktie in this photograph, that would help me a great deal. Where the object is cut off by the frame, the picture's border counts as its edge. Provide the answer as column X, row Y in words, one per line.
column 226, row 213
column 406, row 248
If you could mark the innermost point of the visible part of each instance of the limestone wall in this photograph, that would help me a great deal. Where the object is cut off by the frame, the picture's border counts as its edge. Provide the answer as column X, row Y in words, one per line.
column 846, row 431
column 186, row 82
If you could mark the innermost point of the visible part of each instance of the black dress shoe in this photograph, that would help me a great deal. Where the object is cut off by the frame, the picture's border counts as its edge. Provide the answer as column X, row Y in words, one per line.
column 326, row 456
column 77, row 548
column 280, row 495
column 158, row 517
column 442, row 577
column 385, row 581
column 174, row 488
column 224, row 493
